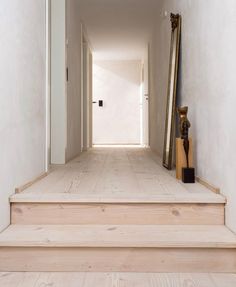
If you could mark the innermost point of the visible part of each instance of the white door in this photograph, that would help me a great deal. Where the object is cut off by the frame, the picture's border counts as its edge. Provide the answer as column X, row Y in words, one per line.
column 116, row 102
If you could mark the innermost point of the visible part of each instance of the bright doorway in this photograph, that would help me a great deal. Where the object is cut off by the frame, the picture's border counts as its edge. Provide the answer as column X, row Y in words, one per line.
column 120, row 102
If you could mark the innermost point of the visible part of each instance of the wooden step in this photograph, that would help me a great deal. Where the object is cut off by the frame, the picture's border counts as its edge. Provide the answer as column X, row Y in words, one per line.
column 137, row 248
column 117, row 213
column 57, row 208
column 195, row 196
column 122, row 279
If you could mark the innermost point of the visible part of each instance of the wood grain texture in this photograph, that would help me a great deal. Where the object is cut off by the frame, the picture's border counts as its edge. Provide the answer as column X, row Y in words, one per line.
column 73, row 279
column 117, row 198
column 173, row 280
column 107, row 211
column 121, row 175
column 72, row 213
column 159, row 236
column 222, row 280
column 117, row 259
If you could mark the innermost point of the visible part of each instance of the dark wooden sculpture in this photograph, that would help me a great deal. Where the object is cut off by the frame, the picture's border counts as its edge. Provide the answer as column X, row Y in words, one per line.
column 187, row 173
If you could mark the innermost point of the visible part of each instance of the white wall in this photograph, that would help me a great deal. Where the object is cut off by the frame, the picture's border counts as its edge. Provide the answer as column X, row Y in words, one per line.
column 22, row 96
column 58, row 81
column 66, row 96
column 73, row 108
column 117, row 83
column 207, row 86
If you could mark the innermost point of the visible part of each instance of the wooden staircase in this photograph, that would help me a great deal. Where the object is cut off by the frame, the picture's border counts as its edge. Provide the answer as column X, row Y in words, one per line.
column 52, row 233
column 117, row 210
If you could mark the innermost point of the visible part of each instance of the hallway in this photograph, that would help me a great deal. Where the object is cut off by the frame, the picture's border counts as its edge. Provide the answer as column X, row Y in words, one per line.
column 88, row 110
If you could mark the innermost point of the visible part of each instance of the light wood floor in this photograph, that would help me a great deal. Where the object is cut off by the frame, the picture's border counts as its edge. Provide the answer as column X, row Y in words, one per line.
column 115, row 175
column 110, row 182
column 158, row 236
column 116, row 280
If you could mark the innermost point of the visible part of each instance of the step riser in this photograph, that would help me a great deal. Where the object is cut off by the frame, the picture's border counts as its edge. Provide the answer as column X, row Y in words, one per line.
column 67, row 213
column 117, row 260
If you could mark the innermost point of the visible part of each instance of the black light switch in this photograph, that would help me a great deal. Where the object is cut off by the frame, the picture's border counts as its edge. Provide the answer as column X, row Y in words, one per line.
column 100, row 103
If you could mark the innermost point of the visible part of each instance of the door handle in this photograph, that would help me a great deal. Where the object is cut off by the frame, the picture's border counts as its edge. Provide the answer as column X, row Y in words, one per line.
column 100, row 103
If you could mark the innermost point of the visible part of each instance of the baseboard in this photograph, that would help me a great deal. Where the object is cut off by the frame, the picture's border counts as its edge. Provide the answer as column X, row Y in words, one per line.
column 208, row 185
column 30, row 183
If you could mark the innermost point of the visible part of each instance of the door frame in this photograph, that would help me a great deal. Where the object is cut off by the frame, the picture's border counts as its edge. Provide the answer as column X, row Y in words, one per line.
column 145, row 96
column 48, row 84
column 86, row 90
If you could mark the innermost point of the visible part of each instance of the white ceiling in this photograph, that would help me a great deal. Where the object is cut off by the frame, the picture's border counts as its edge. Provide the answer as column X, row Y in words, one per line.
column 119, row 29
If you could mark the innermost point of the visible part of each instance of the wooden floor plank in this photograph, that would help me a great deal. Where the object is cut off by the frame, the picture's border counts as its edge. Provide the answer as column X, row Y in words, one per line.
column 69, row 279
column 19, row 279
column 115, row 175
column 222, row 280
column 174, row 280
column 186, row 236
column 116, row 198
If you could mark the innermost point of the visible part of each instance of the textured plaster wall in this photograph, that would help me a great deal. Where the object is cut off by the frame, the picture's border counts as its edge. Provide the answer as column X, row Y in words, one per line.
column 22, row 96
column 207, row 86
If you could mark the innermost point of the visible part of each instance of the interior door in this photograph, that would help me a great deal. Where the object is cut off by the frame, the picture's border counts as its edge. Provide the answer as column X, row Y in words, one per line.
column 116, row 102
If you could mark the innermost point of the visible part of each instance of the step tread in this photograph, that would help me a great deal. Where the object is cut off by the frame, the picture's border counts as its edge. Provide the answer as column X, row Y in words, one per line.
column 146, row 236
column 43, row 197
